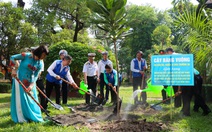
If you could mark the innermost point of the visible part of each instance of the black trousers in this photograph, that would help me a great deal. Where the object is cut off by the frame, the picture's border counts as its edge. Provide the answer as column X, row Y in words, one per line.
column 137, row 83
column 40, row 85
column 177, row 99
column 199, row 102
column 113, row 94
column 188, row 92
column 186, row 97
column 64, row 92
column 49, row 88
column 102, row 85
column 163, row 92
column 92, row 82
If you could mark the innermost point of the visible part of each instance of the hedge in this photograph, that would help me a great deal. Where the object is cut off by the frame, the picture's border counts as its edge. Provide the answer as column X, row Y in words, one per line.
column 5, row 87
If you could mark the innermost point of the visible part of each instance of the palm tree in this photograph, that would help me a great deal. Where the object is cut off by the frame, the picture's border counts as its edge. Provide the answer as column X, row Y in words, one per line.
column 198, row 36
column 109, row 16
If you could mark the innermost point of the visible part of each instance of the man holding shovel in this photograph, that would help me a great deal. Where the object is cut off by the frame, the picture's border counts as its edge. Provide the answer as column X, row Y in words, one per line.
column 57, row 70
column 111, row 80
column 138, row 66
column 64, row 89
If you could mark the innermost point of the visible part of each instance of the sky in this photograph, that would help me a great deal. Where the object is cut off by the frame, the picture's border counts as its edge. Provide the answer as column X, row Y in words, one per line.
column 158, row 4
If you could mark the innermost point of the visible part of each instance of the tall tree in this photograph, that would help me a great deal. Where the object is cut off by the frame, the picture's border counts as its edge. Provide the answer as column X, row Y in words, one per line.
column 75, row 12
column 161, row 35
column 110, row 17
column 142, row 21
column 15, row 34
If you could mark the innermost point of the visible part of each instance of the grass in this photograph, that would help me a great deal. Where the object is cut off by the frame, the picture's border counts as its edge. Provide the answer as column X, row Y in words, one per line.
column 195, row 123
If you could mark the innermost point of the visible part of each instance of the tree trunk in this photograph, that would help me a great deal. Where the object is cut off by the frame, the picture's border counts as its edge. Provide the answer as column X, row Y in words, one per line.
column 117, row 69
column 78, row 26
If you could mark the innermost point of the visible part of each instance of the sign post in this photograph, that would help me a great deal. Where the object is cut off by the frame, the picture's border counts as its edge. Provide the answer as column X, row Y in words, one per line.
column 172, row 70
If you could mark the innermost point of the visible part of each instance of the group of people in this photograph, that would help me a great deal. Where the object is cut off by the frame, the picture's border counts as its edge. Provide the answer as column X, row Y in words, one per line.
column 184, row 94
column 30, row 65
column 102, row 73
column 28, row 68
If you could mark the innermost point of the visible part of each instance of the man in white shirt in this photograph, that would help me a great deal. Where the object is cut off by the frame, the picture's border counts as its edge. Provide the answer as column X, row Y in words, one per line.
column 90, row 71
column 101, row 65
column 138, row 66
column 57, row 70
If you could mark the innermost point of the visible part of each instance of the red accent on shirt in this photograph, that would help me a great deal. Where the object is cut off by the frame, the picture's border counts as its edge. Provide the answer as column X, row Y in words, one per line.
column 11, row 63
column 26, row 83
column 23, row 54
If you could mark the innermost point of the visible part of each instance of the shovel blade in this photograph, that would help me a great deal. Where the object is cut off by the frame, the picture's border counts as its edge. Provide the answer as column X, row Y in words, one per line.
column 116, row 106
column 156, row 107
column 57, row 106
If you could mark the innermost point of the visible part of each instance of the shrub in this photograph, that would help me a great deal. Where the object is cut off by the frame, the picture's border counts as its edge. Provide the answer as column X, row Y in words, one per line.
column 5, row 87
column 78, row 51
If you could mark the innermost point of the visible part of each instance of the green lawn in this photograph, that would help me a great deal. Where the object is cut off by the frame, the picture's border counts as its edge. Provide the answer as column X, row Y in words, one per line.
column 195, row 123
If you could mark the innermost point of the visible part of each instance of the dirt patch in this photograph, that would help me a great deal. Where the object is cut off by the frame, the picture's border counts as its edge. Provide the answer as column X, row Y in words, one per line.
column 91, row 108
column 127, row 126
column 111, row 123
column 72, row 119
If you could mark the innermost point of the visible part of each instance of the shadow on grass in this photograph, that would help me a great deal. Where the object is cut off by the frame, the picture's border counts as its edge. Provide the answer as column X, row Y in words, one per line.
column 4, row 114
column 5, row 99
column 8, row 123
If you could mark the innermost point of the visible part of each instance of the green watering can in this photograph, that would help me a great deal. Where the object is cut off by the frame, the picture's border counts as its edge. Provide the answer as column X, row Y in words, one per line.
column 169, row 90
column 157, row 88
column 84, row 87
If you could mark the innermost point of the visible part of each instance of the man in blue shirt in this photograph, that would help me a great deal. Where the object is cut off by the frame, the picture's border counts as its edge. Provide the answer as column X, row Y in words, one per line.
column 111, row 80
column 57, row 70
column 138, row 66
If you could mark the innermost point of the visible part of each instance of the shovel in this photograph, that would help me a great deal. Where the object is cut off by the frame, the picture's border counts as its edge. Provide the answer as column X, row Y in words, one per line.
column 79, row 88
column 56, row 106
column 155, row 105
column 25, row 89
column 118, row 104
column 142, row 85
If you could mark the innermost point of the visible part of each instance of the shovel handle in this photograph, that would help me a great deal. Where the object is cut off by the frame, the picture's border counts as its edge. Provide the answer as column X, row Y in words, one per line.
column 77, row 87
column 25, row 89
column 177, row 94
column 44, row 95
